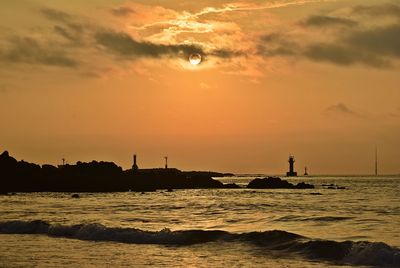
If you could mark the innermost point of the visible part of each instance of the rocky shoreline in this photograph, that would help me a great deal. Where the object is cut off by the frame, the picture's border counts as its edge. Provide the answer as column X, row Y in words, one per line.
column 21, row 176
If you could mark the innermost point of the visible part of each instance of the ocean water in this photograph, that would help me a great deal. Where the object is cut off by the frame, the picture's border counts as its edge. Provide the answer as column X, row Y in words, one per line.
column 355, row 226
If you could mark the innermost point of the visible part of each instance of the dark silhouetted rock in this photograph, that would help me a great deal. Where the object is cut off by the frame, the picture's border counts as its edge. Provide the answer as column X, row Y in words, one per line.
column 276, row 183
column 231, row 186
column 21, row 176
column 75, row 196
column 303, row 185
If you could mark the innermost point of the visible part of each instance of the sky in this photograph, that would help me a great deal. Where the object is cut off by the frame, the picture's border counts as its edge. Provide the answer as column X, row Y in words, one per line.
column 104, row 79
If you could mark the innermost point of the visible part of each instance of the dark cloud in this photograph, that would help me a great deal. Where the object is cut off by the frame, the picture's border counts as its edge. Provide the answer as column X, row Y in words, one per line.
column 377, row 47
column 71, row 32
column 56, row 15
column 373, row 47
column 276, row 51
column 276, row 44
column 386, row 10
column 341, row 109
column 327, row 21
column 226, row 53
column 122, row 11
column 343, row 55
column 380, row 41
column 28, row 50
column 124, row 45
column 64, row 33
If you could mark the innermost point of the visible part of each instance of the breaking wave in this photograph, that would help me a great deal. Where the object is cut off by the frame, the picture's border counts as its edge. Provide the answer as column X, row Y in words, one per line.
column 347, row 252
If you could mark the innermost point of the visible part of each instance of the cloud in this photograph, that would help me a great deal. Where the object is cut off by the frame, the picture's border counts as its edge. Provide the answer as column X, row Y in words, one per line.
column 226, row 53
column 56, row 15
column 122, row 11
column 328, row 21
column 71, row 32
column 64, row 33
column 341, row 109
column 377, row 47
column 379, row 41
column 276, row 44
column 343, row 55
column 28, row 50
column 385, row 10
column 124, row 45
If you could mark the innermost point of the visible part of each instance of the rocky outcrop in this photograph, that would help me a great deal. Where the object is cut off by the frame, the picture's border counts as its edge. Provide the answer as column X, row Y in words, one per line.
column 21, row 176
column 277, row 183
column 231, row 186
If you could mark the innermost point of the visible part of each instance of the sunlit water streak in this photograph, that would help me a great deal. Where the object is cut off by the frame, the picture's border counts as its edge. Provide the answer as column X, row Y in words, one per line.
column 367, row 210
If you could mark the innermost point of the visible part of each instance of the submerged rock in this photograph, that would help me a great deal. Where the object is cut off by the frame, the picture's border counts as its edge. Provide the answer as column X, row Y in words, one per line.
column 334, row 186
column 277, row 183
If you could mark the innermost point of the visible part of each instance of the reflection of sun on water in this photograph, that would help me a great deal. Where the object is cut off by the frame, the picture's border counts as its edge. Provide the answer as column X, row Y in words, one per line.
column 195, row 59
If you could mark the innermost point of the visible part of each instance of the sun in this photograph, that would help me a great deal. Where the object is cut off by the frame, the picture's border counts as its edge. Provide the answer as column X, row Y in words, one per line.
column 195, row 59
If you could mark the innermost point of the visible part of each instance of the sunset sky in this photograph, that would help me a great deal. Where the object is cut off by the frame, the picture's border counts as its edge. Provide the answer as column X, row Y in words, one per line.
column 103, row 79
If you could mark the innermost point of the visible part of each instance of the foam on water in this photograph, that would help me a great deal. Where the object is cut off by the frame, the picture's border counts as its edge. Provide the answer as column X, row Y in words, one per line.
column 347, row 252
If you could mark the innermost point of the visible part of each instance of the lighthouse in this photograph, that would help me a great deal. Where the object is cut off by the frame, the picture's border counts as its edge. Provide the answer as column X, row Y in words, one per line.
column 291, row 172
column 134, row 166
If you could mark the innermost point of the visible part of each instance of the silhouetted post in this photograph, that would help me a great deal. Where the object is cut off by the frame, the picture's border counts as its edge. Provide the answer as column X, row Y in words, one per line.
column 63, row 159
column 134, row 166
column 305, row 171
column 166, row 162
column 376, row 160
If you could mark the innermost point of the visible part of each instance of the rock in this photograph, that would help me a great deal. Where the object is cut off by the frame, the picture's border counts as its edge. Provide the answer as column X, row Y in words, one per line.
column 276, row 183
column 303, row 185
column 75, row 196
column 231, row 186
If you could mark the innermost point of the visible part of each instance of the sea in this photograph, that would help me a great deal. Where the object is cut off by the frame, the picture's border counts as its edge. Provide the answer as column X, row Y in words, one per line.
column 346, row 221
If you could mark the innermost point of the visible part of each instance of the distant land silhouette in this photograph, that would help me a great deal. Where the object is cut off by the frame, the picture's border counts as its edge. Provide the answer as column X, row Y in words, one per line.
column 21, row 176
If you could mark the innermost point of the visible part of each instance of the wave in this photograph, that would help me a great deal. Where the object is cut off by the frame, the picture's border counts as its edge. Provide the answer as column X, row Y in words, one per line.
column 317, row 219
column 347, row 252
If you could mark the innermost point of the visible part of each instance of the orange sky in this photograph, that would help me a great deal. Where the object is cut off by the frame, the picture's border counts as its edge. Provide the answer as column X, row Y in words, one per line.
column 105, row 79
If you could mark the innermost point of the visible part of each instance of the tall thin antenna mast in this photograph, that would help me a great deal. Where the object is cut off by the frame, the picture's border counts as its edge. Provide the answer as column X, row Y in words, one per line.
column 376, row 160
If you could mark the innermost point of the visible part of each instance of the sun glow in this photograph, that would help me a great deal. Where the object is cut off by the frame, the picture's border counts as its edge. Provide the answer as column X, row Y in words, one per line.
column 195, row 59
